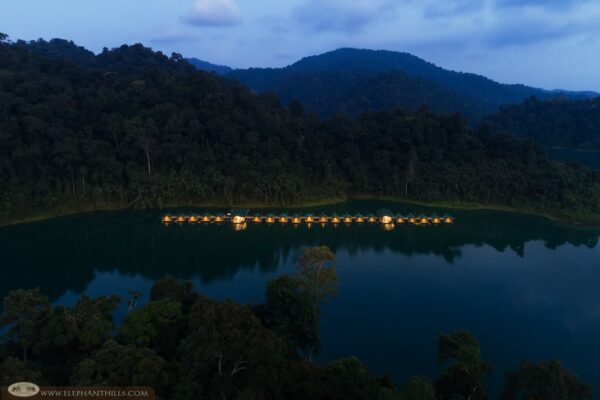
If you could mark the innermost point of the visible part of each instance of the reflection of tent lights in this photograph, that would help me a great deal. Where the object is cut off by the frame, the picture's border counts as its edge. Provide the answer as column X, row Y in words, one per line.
column 240, row 227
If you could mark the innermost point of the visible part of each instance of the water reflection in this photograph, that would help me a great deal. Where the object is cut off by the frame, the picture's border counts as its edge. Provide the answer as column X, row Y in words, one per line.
column 65, row 253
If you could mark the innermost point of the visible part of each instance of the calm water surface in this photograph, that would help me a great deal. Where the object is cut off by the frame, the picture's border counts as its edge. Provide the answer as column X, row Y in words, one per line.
column 528, row 288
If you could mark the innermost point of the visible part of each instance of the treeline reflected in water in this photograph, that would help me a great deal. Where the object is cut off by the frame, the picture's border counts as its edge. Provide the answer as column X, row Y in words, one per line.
column 65, row 253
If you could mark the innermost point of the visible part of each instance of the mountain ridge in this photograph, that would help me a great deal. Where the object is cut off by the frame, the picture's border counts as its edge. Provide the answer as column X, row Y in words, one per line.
column 488, row 94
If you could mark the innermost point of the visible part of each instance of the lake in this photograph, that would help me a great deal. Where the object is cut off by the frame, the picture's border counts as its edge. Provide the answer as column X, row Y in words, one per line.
column 527, row 288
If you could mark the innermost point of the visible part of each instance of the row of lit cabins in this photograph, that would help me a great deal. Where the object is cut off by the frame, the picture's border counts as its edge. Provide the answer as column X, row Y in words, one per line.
column 240, row 216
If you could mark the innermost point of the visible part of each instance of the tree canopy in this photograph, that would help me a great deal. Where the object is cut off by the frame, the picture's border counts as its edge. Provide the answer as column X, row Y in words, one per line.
column 134, row 128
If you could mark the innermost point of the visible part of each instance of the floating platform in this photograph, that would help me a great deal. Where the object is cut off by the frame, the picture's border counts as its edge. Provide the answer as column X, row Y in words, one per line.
column 239, row 217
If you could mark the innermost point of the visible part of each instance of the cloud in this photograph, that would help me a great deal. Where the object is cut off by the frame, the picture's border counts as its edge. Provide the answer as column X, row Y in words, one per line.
column 214, row 13
column 339, row 15
column 521, row 27
column 452, row 8
column 547, row 4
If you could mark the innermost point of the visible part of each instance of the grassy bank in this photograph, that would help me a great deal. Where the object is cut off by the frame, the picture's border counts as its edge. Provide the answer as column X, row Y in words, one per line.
column 579, row 218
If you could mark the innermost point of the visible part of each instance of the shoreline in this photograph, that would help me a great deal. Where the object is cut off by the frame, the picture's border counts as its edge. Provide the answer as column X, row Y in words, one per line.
column 562, row 219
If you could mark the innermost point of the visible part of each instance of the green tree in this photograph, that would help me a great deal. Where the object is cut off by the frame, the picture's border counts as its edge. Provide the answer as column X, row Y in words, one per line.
column 349, row 378
column 418, row 388
column 122, row 365
column 316, row 273
column 169, row 288
column 292, row 313
column 15, row 370
column 68, row 335
column 229, row 353
column 466, row 373
column 23, row 313
column 157, row 326
column 545, row 381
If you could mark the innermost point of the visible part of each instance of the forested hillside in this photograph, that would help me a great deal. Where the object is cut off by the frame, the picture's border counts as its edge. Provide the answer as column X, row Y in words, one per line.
column 471, row 94
column 134, row 128
column 209, row 67
column 572, row 124
column 354, row 92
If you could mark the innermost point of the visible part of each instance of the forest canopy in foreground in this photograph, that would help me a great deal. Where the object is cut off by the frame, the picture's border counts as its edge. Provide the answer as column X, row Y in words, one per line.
column 187, row 346
column 133, row 128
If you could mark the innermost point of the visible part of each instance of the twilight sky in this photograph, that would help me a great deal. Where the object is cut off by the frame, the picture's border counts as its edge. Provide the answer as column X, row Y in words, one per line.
column 544, row 43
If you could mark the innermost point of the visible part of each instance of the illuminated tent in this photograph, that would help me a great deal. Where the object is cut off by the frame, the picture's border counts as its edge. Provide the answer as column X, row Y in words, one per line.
column 384, row 216
column 238, row 216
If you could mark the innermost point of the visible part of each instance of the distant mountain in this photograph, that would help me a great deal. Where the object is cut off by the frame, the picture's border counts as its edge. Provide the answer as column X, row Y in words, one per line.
column 134, row 128
column 209, row 67
column 353, row 92
column 469, row 91
column 558, row 123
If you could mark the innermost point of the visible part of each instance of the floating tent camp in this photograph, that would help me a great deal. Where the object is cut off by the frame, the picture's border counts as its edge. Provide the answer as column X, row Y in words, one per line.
column 384, row 216
column 220, row 217
column 321, row 218
column 239, row 215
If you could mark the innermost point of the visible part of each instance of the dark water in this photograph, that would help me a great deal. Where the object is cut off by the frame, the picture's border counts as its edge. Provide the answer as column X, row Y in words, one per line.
column 528, row 288
column 588, row 158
